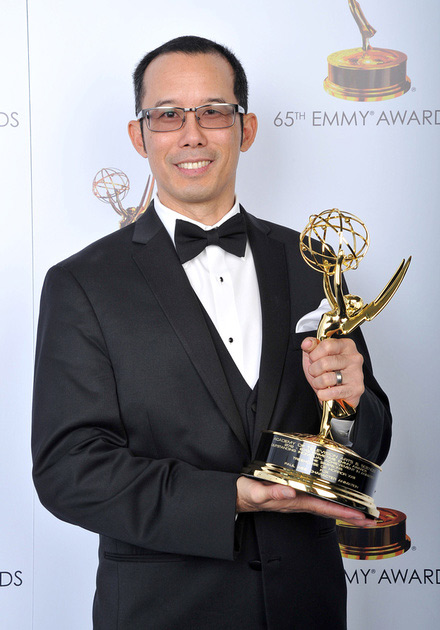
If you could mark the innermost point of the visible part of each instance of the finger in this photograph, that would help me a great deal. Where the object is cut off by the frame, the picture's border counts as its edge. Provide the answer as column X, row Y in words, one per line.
column 309, row 344
column 330, row 347
column 308, row 503
column 333, row 362
column 329, row 365
column 348, row 393
column 359, row 522
column 280, row 492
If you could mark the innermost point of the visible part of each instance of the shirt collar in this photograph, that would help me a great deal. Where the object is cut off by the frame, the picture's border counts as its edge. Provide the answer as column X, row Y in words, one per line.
column 169, row 217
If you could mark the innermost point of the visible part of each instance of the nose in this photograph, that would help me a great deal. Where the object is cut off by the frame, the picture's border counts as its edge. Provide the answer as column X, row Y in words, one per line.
column 192, row 134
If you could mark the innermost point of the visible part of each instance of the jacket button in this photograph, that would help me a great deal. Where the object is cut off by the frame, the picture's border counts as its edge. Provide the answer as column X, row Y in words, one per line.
column 255, row 565
column 254, row 407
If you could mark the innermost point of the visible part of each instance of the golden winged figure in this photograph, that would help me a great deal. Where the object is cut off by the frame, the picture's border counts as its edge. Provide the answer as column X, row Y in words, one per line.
column 348, row 311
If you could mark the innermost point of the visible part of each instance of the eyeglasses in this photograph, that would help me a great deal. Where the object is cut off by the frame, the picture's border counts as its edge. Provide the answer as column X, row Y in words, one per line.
column 212, row 116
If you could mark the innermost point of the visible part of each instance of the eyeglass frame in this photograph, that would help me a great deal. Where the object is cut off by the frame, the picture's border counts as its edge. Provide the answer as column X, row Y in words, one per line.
column 143, row 114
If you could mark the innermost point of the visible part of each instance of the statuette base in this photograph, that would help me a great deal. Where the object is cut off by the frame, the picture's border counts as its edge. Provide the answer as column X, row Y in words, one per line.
column 387, row 539
column 377, row 74
column 317, row 466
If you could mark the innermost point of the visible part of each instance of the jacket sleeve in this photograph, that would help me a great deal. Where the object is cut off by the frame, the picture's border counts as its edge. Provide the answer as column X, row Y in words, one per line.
column 84, row 471
column 371, row 434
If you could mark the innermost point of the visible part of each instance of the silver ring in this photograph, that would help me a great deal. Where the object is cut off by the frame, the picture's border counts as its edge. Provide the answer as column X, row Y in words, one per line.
column 338, row 377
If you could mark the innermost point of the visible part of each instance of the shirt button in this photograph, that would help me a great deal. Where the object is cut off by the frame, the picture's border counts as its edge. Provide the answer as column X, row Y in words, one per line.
column 230, row 340
column 221, row 279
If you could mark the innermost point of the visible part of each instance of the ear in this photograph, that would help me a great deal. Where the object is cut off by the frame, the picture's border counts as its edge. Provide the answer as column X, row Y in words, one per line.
column 250, row 126
column 134, row 131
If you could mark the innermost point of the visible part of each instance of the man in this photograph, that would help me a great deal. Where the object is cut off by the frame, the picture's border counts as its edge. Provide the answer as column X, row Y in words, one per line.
column 157, row 369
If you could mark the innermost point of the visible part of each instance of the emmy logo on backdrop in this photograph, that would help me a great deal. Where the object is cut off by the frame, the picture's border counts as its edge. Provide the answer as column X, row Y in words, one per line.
column 112, row 185
column 367, row 73
column 315, row 463
column 387, row 540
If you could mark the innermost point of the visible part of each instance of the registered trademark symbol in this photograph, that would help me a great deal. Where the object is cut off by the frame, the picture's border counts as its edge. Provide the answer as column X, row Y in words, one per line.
column 413, row 89
column 373, row 571
column 413, row 548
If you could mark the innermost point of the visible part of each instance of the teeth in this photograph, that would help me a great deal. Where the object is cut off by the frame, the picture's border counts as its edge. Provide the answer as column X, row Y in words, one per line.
column 191, row 165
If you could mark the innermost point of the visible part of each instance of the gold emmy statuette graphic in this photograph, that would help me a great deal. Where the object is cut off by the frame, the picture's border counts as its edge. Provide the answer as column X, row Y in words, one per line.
column 112, row 185
column 367, row 73
column 315, row 463
column 387, row 540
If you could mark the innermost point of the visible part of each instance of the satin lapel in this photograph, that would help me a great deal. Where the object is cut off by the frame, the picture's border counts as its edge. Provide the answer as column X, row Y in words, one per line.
column 271, row 267
column 163, row 272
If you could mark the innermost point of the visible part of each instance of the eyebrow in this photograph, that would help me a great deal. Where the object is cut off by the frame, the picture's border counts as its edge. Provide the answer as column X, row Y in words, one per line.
column 172, row 103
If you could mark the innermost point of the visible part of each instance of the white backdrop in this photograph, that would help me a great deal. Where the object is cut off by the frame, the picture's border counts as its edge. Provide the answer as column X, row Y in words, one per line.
column 66, row 97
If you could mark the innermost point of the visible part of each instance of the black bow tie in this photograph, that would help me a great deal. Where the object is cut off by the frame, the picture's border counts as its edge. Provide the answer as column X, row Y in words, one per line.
column 191, row 240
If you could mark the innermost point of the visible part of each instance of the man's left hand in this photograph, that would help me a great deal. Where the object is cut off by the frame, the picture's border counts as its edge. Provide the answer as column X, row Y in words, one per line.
column 321, row 362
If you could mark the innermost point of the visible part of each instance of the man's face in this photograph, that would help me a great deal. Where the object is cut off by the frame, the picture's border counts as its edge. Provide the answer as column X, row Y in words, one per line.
column 194, row 168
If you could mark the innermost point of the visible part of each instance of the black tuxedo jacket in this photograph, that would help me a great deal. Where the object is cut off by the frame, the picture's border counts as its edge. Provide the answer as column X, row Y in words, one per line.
column 136, row 436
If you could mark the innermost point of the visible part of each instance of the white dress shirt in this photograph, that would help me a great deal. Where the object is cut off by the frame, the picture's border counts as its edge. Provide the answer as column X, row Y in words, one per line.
column 227, row 286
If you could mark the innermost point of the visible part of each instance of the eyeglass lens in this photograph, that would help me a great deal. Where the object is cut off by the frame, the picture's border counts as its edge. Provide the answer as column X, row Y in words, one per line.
column 218, row 116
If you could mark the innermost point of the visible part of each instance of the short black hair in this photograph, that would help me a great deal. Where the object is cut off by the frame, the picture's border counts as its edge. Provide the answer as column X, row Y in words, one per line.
column 192, row 45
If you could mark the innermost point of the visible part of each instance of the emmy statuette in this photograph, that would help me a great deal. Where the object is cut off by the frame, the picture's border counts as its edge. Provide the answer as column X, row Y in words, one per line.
column 111, row 185
column 316, row 464
column 366, row 73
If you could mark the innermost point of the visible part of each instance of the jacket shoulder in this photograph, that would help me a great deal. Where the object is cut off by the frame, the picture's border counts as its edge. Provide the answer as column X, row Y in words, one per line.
column 283, row 233
column 107, row 248
column 274, row 230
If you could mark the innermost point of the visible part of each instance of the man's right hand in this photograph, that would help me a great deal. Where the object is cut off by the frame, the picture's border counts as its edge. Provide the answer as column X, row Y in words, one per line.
column 263, row 496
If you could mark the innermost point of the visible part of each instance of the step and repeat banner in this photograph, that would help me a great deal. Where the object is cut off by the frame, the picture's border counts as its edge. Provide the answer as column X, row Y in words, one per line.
column 337, row 128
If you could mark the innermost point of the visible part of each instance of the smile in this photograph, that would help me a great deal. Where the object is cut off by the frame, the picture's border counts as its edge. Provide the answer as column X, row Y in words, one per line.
column 194, row 165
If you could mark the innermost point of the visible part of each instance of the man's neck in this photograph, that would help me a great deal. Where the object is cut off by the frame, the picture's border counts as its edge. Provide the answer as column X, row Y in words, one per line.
column 206, row 213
